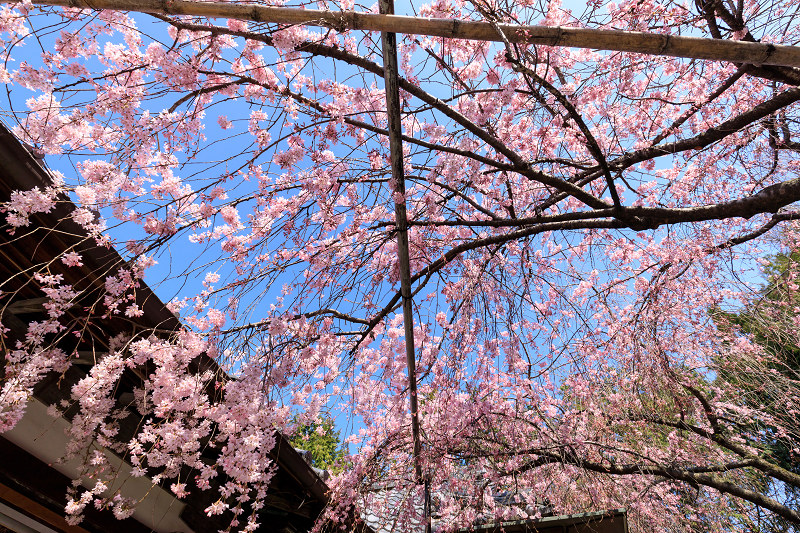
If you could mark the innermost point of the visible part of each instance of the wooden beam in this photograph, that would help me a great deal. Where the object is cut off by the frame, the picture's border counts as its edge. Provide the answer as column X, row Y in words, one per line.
column 37, row 511
column 613, row 40
column 21, row 307
column 47, row 487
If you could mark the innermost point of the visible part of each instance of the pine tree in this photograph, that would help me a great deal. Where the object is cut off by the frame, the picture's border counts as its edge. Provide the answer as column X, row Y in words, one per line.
column 323, row 442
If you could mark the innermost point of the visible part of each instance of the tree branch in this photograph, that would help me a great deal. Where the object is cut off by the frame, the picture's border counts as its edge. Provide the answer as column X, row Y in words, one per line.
column 569, row 457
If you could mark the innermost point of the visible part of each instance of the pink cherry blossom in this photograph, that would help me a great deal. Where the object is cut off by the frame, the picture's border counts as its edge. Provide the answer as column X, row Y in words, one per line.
column 579, row 225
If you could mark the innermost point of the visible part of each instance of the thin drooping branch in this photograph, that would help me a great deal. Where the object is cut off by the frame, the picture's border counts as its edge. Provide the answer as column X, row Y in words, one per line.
column 517, row 163
column 696, row 106
column 712, row 134
column 718, row 435
column 533, row 78
column 262, row 324
column 623, row 41
column 769, row 200
column 568, row 457
column 318, row 107
column 601, row 219
column 697, row 142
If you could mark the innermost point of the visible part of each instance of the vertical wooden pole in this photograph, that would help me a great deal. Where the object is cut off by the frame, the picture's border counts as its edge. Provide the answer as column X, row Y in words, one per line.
column 390, row 74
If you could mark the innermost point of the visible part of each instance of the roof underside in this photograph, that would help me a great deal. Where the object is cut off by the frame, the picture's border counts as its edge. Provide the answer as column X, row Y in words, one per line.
column 296, row 495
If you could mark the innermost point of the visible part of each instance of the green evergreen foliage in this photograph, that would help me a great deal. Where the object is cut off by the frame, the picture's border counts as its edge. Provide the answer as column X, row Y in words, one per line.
column 770, row 320
column 324, row 443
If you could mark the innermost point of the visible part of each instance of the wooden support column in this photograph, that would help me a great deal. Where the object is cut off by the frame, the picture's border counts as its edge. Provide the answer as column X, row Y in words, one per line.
column 395, row 128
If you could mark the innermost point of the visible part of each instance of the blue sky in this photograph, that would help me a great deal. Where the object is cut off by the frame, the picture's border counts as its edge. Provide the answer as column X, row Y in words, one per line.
column 170, row 277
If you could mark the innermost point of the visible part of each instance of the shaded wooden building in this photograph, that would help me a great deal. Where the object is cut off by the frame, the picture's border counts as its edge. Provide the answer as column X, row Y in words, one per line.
column 33, row 483
column 614, row 521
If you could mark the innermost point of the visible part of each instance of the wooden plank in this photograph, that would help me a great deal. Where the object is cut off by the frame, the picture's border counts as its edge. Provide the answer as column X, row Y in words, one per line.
column 27, row 306
column 46, row 486
column 611, row 521
column 613, row 40
column 36, row 511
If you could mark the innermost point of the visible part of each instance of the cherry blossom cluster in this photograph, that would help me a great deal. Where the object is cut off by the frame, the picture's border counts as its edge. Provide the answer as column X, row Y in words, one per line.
column 582, row 226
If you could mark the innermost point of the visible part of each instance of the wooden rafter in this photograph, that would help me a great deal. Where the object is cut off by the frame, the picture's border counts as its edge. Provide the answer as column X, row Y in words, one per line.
column 622, row 41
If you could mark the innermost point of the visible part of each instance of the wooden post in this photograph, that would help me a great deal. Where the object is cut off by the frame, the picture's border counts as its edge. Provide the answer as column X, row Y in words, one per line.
column 395, row 128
